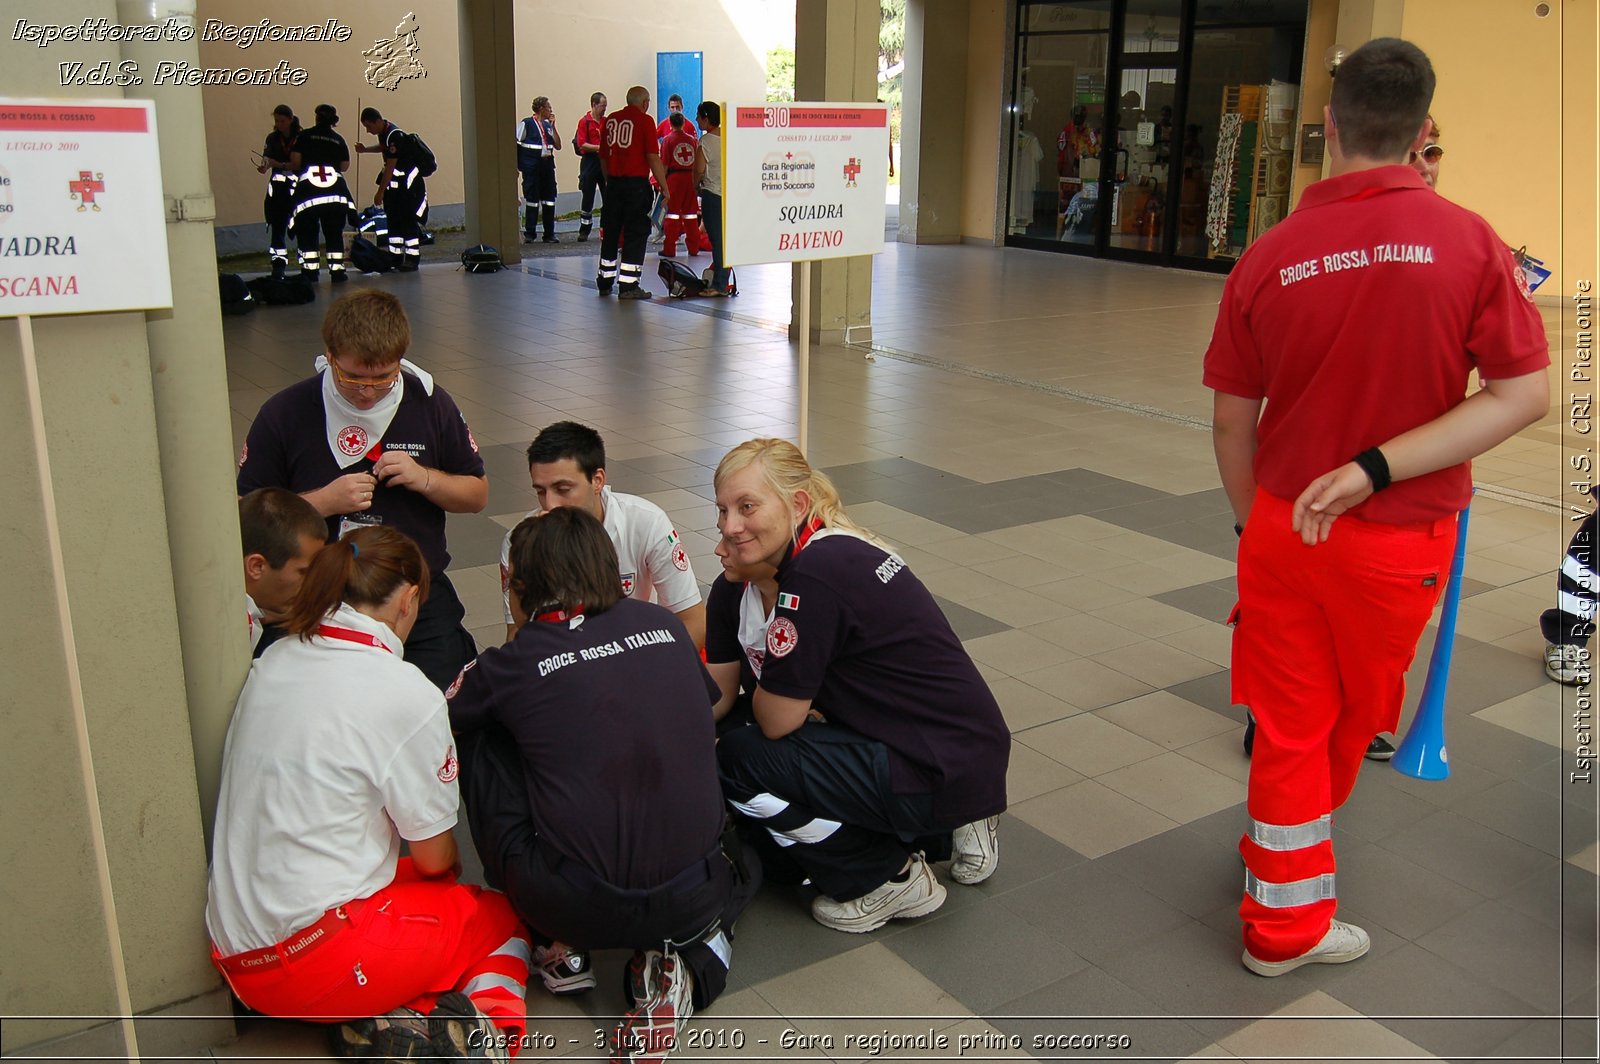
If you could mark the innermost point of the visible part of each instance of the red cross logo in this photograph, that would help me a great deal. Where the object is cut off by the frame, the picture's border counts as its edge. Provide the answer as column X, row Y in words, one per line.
column 353, row 439
column 788, row 155
column 84, row 189
column 782, row 636
column 322, row 176
column 852, row 170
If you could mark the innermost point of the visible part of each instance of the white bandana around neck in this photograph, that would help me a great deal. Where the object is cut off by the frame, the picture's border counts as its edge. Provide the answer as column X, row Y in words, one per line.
column 353, row 433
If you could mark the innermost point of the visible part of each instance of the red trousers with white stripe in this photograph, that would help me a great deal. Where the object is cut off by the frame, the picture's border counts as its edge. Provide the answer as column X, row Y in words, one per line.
column 404, row 946
column 1325, row 636
column 683, row 216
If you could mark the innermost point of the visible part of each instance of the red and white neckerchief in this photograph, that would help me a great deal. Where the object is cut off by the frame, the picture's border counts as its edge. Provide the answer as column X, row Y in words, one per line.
column 350, row 635
column 573, row 617
column 354, row 434
column 804, row 535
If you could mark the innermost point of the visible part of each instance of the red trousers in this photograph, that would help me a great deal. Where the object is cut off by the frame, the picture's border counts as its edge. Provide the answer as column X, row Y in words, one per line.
column 1320, row 653
column 404, row 946
column 683, row 216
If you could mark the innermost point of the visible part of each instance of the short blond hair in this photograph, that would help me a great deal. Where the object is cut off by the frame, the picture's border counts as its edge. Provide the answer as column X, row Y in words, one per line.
column 370, row 326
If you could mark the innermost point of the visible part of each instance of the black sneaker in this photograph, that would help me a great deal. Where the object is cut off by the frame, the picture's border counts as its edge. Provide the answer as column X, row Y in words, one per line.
column 338, row 276
column 634, row 292
column 461, row 1032
column 1249, row 732
column 1380, row 749
column 308, row 276
column 583, row 233
column 403, row 1034
column 603, row 288
column 550, row 240
column 279, row 267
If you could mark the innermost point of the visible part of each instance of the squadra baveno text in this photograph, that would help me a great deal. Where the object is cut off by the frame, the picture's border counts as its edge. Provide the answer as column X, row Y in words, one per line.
column 871, row 1044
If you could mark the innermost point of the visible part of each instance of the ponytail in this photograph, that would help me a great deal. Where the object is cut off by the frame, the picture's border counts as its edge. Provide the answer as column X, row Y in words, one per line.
column 363, row 569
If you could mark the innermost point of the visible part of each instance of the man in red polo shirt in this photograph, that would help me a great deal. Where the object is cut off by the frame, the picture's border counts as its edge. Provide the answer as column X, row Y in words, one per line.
column 1357, row 321
column 629, row 156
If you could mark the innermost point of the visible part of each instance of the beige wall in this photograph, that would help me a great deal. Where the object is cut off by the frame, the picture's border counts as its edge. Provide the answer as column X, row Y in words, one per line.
column 564, row 51
column 982, row 173
column 238, row 118
column 1516, row 102
column 567, row 51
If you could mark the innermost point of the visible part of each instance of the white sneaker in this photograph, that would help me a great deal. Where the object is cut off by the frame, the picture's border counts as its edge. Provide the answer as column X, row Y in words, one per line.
column 1343, row 943
column 563, row 969
column 649, row 1032
column 919, row 895
column 1567, row 663
column 975, row 851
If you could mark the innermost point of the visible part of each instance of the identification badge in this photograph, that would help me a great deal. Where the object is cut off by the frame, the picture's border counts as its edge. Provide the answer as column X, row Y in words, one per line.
column 350, row 522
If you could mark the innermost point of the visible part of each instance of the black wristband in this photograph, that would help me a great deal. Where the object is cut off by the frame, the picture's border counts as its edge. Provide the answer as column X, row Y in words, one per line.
column 1238, row 530
column 1375, row 465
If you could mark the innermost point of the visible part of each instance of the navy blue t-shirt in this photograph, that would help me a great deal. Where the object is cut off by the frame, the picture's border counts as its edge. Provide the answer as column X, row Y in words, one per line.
column 613, row 720
column 288, row 448
column 857, row 634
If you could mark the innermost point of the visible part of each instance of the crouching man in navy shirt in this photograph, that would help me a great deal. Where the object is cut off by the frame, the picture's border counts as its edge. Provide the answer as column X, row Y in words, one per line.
column 911, row 760
column 369, row 440
column 590, row 778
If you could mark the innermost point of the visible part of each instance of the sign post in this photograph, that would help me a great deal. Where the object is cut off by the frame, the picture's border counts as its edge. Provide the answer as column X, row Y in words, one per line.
column 804, row 182
column 80, row 199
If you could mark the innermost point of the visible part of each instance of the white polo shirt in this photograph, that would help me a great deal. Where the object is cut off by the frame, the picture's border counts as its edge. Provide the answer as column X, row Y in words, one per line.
column 338, row 749
column 652, row 561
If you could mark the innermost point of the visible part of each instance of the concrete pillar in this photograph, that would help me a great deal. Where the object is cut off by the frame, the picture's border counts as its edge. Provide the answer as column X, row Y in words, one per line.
column 488, row 112
column 836, row 59
column 190, row 386
column 110, row 387
column 933, row 121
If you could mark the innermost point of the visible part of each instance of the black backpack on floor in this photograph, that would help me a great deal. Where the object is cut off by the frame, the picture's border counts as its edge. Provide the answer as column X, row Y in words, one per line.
column 369, row 257
column 481, row 258
column 236, row 298
column 681, row 282
column 285, row 292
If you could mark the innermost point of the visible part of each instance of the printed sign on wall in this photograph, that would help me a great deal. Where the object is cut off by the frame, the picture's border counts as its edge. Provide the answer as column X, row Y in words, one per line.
column 804, row 181
column 82, row 221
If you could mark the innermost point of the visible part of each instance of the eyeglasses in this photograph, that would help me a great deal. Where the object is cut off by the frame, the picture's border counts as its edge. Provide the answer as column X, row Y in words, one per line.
column 1433, row 153
column 377, row 384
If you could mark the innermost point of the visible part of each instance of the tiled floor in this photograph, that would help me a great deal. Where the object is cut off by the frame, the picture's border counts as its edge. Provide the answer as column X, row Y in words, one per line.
column 1031, row 437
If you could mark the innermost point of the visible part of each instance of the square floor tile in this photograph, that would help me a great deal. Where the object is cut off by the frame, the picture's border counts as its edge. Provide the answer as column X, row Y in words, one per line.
column 1088, row 744
column 1327, row 1027
column 1087, row 684
column 1091, row 819
column 1187, row 870
column 1526, row 952
column 1092, row 911
column 1176, row 787
column 1025, row 706
column 1459, row 1014
column 1016, row 957
column 1031, row 774
column 1479, row 858
column 1165, row 719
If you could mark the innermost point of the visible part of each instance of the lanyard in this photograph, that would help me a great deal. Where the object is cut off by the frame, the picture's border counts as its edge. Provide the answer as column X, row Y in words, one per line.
column 350, row 635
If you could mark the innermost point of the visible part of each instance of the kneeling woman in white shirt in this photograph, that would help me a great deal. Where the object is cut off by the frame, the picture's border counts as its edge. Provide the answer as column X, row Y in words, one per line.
column 338, row 750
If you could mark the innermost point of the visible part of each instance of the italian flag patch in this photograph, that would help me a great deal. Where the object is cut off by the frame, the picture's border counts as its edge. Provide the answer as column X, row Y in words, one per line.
column 788, row 602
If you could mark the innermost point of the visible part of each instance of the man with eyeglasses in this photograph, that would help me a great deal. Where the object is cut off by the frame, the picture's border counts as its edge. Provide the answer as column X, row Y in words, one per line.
column 370, row 440
column 1425, row 160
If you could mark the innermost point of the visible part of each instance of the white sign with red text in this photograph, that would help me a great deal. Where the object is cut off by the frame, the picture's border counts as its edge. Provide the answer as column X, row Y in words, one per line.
column 804, row 181
column 82, row 220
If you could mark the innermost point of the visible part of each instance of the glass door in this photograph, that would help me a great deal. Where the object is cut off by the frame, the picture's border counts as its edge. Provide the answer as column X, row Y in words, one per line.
column 1145, row 136
column 1059, row 112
